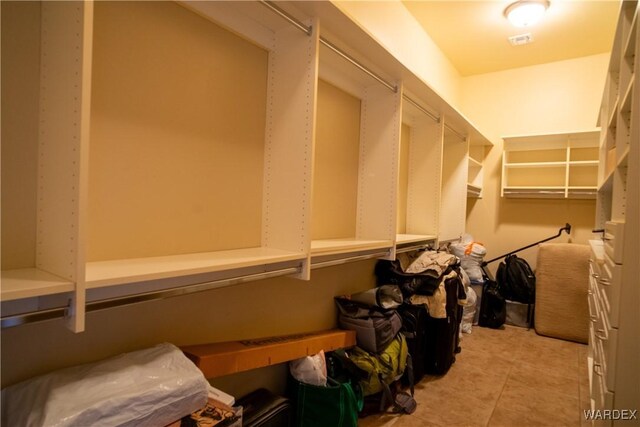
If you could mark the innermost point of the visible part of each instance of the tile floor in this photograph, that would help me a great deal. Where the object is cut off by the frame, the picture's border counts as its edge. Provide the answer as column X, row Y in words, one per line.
column 507, row 377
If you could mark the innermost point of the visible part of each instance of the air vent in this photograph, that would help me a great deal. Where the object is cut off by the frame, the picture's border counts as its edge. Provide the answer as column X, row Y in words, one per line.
column 521, row 39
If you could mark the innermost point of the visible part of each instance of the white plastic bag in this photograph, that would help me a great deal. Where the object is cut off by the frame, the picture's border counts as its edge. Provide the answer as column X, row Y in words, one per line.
column 469, row 311
column 471, row 256
column 151, row 387
column 310, row 369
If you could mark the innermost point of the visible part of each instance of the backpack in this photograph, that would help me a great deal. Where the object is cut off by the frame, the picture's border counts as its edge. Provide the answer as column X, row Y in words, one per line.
column 516, row 279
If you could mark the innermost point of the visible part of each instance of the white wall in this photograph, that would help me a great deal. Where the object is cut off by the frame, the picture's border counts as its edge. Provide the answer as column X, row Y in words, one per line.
column 556, row 97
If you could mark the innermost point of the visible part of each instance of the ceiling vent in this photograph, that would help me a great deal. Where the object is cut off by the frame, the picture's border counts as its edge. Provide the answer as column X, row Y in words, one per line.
column 521, row 39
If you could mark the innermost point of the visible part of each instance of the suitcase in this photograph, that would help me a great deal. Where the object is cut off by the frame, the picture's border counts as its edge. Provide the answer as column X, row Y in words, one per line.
column 414, row 328
column 261, row 408
column 442, row 336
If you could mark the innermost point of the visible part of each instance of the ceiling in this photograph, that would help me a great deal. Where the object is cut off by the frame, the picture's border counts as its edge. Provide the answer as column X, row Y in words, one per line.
column 473, row 33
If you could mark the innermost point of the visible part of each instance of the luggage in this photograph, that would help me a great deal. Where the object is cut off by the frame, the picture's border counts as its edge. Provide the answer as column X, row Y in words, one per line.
column 261, row 408
column 414, row 328
column 442, row 335
column 493, row 311
column 375, row 328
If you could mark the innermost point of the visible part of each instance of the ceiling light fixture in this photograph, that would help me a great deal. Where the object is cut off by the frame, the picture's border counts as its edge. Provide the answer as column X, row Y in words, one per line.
column 525, row 13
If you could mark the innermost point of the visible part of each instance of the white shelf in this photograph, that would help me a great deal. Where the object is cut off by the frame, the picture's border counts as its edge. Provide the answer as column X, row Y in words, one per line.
column 535, row 187
column 31, row 282
column 583, row 163
column 413, row 238
column 625, row 106
column 116, row 272
column 474, row 163
column 473, row 190
column 342, row 246
column 536, row 165
column 630, row 43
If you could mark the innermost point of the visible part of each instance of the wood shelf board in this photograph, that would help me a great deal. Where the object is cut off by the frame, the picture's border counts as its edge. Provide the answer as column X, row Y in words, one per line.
column 413, row 238
column 612, row 122
column 583, row 163
column 473, row 187
column 534, row 187
column 474, row 163
column 115, row 272
column 629, row 45
column 339, row 246
column 607, row 183
column 536, row 165
column 218, row 359
column 31, row 282
column 625, row 105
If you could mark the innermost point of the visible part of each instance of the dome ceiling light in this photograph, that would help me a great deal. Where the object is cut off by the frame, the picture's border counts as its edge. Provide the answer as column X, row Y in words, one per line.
column 525, row 13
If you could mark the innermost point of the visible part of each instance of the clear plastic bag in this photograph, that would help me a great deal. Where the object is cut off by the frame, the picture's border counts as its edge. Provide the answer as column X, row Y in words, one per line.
column 151, row 387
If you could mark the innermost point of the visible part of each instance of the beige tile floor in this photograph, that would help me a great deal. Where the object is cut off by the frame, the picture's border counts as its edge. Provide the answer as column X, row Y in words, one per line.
column 507, row 377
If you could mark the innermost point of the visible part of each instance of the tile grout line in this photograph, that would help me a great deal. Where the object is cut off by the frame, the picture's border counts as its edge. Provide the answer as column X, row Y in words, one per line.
column 495, row 405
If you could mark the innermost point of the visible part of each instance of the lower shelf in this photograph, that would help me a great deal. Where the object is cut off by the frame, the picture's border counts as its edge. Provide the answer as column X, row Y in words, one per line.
column 117, row 272
column 342, row 246
column 31, row 282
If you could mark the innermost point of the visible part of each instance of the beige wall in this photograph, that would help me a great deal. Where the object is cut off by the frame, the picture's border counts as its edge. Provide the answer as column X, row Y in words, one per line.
column 557, row 97
column 391, row 24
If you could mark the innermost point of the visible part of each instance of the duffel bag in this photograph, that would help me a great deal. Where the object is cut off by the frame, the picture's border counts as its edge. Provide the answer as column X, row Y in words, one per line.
column 374, row 328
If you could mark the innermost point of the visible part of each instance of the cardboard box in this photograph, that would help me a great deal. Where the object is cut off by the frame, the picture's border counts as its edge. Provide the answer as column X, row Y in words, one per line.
column 226, row 358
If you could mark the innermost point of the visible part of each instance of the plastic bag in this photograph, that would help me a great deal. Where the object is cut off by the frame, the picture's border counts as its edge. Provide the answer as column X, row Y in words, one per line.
column 471, row 256
column 151, row 387
column 469, row 311
column 310, row 369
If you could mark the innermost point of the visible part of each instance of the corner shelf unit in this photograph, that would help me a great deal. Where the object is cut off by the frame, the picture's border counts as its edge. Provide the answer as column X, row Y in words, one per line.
column 475, row 173
column 614, row 348
column 551, row 166
column 145, row 184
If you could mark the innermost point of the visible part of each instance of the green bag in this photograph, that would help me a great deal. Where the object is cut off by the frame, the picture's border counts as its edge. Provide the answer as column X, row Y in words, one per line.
column 383, row 368
column 337, row 404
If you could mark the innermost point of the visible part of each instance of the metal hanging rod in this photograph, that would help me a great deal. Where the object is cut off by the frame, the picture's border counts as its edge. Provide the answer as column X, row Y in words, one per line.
column 458, row 134
column 54, row 313
column 308, row 29
column 292, row 20
column 422, row 109
column 347, row 260
column 353, row 61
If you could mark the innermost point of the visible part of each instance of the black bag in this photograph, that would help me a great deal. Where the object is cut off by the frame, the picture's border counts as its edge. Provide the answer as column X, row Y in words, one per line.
column 414, row 328
column 261, row 408
column 516, row 279
column 442, row 336
column 493, row 308
column 375, row 328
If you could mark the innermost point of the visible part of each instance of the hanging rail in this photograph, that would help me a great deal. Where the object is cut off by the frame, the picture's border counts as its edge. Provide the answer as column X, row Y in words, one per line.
column 307, row 30
column 292, row 20
column 54, row 313
column 340, row 261
column 567, row 228
column 422, row 109
column 458, row 134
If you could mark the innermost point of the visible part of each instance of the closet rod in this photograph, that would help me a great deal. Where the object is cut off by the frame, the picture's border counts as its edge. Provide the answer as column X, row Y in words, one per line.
column 54, row 313
column 308, row 29
column 355, row 62
column 413, row 248
column 458, row 134
column 347, row 260
column 292, row 20
column 421, row 108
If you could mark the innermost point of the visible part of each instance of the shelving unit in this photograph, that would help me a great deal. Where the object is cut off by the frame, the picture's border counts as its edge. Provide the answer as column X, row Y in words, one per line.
column 420, row 149
column 614, row 348
column 551, row 166
column 150, row 175
column 455, row 167
column 357, row 149
column 475, row 175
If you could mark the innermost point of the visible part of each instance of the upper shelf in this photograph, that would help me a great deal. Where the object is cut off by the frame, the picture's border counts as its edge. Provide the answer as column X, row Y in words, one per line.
column 342, row 246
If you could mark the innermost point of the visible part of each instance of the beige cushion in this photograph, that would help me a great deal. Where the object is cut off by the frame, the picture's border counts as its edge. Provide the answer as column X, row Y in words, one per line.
column 562, row 281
